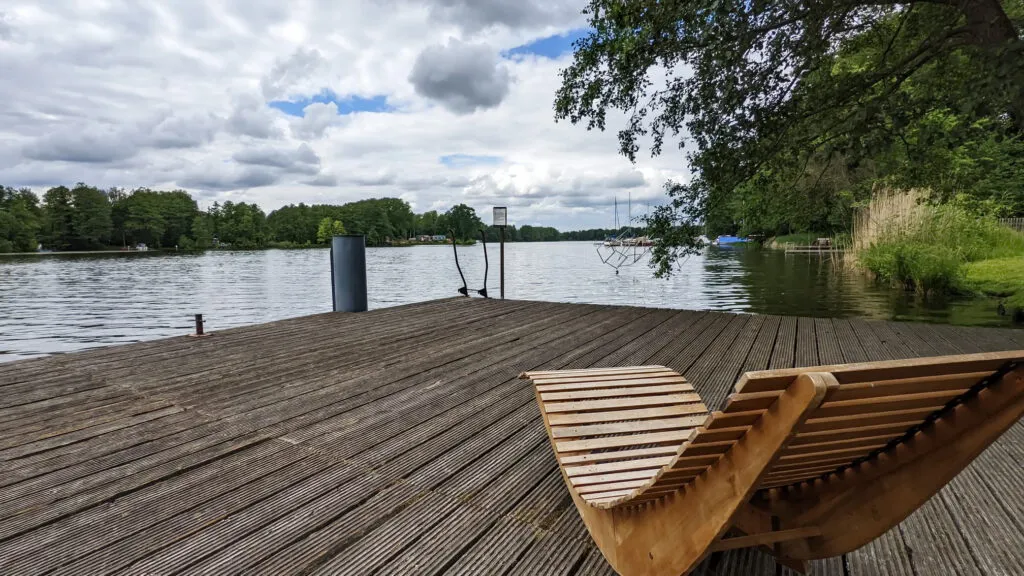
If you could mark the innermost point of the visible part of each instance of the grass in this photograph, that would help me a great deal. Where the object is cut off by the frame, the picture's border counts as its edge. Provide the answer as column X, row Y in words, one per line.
column 928, row 248
column 999, row 277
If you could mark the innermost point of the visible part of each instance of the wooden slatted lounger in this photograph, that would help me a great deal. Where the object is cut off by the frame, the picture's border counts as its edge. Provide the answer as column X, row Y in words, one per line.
column 805, row 463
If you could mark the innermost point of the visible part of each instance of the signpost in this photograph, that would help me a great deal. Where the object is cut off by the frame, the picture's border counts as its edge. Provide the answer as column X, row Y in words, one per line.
column 500, row 219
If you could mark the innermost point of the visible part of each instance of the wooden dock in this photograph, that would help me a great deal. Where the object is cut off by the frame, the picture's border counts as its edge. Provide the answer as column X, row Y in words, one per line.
column 814, row 250
column 400, row 441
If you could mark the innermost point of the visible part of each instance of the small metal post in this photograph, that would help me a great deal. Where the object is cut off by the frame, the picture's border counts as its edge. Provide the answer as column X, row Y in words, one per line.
column 199, row 324
column 500, row 219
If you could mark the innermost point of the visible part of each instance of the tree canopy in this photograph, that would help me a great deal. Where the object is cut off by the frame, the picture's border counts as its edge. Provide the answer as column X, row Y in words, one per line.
column 86, row 218
column 771, row 99
column 329, row 229
column 463, row 221
column 20, row 220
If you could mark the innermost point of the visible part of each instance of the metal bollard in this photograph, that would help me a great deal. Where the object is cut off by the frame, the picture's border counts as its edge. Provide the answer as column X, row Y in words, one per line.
column 348, row 273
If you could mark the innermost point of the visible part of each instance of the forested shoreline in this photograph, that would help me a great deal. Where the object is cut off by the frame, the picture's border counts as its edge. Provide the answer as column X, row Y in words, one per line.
column 791, row 115
column 801, row 119
column 89, row 218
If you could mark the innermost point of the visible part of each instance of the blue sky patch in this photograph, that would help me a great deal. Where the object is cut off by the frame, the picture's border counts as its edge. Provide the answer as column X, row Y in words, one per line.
column 346, row 104
column 550, row 47
column 465, row 160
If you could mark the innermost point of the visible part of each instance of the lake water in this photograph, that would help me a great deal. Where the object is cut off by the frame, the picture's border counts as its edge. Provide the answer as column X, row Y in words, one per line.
column 54, row 304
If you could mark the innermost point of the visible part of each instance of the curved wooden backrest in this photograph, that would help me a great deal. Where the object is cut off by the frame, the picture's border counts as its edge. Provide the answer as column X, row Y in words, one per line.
column 876, row 405
column 617, row 432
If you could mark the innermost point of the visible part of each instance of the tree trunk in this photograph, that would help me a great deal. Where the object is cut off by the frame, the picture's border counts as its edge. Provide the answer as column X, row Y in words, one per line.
column 988, row 24
column 991, row 29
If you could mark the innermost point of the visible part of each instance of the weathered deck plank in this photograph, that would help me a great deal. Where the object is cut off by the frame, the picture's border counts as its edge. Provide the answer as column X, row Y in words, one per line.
column 400, row 441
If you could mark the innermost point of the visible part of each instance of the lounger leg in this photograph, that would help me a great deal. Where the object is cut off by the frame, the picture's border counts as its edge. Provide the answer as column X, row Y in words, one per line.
column 863, row 503
column 672, row 536
column 715, row 561
column 798, row 566
column 781, row 559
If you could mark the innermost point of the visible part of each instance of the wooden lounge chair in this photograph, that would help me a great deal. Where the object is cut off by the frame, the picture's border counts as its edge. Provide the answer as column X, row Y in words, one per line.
column 805, row 463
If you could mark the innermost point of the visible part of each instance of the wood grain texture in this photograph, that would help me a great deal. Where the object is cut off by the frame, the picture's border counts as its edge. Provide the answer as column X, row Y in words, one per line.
column 376, row 411
column 853, row 424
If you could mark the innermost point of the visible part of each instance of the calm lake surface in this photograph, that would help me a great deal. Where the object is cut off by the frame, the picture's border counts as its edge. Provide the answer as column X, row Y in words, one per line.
column 54, row 304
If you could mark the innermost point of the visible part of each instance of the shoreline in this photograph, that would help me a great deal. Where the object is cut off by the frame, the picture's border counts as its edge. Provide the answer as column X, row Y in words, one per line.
column 74, row 252
column 259, row 249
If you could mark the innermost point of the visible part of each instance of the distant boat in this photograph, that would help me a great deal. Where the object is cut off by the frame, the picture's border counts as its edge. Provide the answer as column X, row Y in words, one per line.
column 725, row 240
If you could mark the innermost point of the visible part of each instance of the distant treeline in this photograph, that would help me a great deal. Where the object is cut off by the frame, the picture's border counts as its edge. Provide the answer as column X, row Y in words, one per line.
column 88, row 218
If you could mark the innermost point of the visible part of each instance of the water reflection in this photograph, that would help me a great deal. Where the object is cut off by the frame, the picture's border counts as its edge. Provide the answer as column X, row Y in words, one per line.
column 64, row 303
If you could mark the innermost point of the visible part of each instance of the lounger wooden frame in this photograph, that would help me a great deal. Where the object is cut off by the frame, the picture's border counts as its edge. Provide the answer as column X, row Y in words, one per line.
column 805, row 463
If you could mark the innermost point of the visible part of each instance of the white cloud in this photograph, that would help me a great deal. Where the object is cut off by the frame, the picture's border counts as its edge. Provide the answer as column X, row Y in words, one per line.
column 317, row 118
column 94, row 142
column 5, row 27
column 290, row 72
column 302, row 160
column 473, row 15
column 166, row 94
column 463, row 77
column 251, row 116
column 85, row 144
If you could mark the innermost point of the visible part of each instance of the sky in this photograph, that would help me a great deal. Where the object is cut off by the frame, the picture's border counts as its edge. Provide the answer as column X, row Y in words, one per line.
column 436, row 102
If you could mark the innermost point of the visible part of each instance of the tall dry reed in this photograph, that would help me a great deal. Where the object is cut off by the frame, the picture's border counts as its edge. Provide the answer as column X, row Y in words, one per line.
column 890, row 214
column 907, row 241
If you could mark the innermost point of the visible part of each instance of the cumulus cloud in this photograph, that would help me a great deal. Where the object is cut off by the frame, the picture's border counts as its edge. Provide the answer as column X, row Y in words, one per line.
column 181, row 132
column 316, row 119
column 627, row 179
column 462, row 77
column 288, row 72
column 323, row 179
column 383, row 178
column 90, row 142
column 252, row 117
column 302, row 160
column 474, row 15
column 6, row 30
column 180, row 96
column 229, row 179
column 557, row 190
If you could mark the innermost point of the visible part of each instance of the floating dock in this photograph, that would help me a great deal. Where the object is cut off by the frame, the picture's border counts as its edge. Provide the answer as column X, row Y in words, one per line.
column 814, row 250
column 400, row 441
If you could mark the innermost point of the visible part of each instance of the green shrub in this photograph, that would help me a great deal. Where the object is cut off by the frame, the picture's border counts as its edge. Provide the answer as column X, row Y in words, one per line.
column 801, row 239
column 913, row 265
column 930, row 248
column 185, row 243
column 968, row 235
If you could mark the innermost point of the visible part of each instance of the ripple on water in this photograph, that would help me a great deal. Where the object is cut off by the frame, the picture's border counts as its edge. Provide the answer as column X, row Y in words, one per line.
column 58, row 304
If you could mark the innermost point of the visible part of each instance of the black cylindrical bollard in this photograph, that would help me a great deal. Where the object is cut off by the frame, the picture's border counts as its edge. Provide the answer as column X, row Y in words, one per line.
column 199, row 324
column 348, row 271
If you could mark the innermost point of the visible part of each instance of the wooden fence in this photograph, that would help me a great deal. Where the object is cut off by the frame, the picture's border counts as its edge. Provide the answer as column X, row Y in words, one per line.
column 1015, row 223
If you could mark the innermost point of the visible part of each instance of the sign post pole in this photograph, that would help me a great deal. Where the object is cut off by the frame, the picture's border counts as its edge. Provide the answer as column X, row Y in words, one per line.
column 500, row 219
